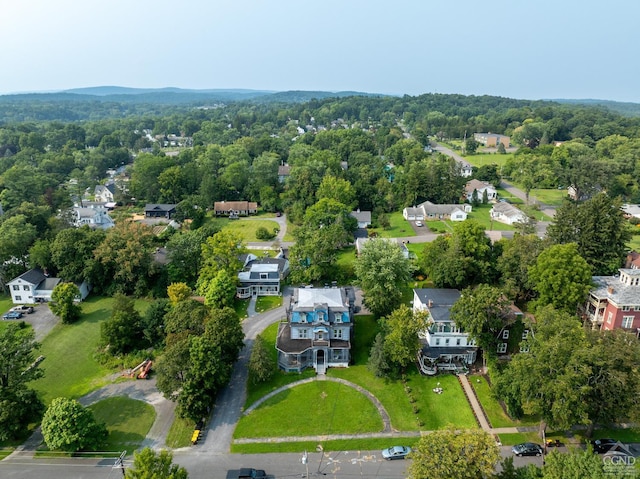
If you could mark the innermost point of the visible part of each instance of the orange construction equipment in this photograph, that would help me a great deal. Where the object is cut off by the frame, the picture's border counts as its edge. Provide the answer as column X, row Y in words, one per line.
column 144, row 372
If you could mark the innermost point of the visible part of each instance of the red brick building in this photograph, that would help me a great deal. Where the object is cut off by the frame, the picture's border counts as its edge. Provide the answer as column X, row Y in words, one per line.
column 614, row 302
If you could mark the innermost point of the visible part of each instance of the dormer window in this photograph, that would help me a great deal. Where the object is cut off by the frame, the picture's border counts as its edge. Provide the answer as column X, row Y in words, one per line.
column 264, row 275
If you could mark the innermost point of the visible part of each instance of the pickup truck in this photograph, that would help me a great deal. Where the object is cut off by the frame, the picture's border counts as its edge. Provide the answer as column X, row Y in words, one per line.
column 23, row 308
column 247, row 473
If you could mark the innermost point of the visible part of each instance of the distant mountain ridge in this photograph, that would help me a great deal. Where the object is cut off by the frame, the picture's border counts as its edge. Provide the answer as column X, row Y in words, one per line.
column 121, row 90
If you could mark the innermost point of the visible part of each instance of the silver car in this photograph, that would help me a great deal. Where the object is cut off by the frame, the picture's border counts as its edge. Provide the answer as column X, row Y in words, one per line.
column 396, row 452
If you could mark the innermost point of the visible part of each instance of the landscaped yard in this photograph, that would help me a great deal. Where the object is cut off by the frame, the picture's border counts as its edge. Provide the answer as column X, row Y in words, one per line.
column 493, row 409
column 246, row 228
column 265, row 303
column 488, row 159
column 328, row 409
column 399, row 227
column 128, row 421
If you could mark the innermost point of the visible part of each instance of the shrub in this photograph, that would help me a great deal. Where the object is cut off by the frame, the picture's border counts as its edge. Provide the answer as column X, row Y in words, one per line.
column 263, row 233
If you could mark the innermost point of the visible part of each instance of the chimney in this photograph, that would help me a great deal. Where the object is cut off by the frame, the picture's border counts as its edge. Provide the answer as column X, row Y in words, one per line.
column 610, row 290
column 430, row 303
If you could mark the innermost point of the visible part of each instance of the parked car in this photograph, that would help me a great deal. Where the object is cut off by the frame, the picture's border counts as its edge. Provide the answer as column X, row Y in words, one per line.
column 23, row 308
column 418, row 223
column 396, row 452
column 527, row 449
column 12, row 315
column 601, row 446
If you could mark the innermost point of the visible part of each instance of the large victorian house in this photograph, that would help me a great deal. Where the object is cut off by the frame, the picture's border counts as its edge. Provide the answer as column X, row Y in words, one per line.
column 444, row 345
column 614, row 302
column 318, row 331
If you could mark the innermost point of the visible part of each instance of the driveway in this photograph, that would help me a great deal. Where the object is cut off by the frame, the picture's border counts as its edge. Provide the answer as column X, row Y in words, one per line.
column 42, row 320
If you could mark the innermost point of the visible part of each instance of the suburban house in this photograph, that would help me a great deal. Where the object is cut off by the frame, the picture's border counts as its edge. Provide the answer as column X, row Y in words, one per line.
column 444, row 345
column 492, row 139
column 466, row 170
column 283, row 172
column 94, row 217
column 34, row 286
column 235, row 208
column 261, row 276
column 614, row 302
column 429, row 211
column 159, row 210
column 318, row 330
column 362, row 217
column 479, row 187
column 507, row 213
column 361, row 241
column 105, row 193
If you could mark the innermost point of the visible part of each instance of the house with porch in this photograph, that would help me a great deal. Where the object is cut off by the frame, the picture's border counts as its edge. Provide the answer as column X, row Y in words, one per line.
column 152, row 210
column 34, row 286
column 261, row 276
column 614, row 301
column 317, row 333
column 105, row 193
column 445, row 347
column 93, row 216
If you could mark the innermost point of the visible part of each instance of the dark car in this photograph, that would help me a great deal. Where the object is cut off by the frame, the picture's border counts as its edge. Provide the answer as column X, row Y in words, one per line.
column 251, row 473
column 601, row 446
column 396, row 452
column 12, row 315
column 527, row 449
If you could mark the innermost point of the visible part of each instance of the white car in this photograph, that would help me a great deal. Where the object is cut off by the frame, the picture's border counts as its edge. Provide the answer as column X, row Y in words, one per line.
column 418, row 223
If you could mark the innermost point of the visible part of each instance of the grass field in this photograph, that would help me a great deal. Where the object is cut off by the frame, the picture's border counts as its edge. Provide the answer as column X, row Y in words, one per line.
column 246, row 228
column 128, row 421
column 70, row 369
column 482, row 159
column 399, row 227
column 329, row 409
column 180, row 433
column 493, row 409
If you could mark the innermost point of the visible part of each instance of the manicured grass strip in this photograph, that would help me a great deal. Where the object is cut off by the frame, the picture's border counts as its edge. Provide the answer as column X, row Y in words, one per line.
column 376, row 444
column 265, row 303
column 128, row 421
column 517, row 438
column 70, row 369
column 624, row 435
column 319, row 407
column 180, row 433
column 488, row 159
column 5, row 303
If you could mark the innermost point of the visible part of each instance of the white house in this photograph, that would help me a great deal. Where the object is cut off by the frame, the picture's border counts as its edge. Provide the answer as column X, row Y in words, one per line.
column 479, row 187
column 444, row 345
column 507, row 213
column 362, row 217
column 94, row 217
column 261, row 276
column 466, row 170
column 431, row 211
column 105, row 193
column 34, row 286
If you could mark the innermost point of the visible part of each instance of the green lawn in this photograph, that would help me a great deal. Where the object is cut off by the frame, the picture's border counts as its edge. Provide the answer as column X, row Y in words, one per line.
column 493, row 409
column 336, row 445
column 265, row 303
column 517, row 438
column 128, row 421
column 328, row 409
column 482, row 159
column 70, row 368
column 5, row 303
column 634, row 243
column 246, row 228
column 481, row 214
column 241, row 307
column 180, row 433
column 399, row 227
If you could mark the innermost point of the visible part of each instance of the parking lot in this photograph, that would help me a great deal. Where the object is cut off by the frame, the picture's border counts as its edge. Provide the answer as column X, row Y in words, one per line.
column 42, row 320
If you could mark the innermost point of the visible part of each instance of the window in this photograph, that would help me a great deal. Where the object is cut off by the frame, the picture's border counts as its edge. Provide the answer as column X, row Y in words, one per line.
column 303, row 317
column 18, row 298
column 437, row 341
column 458, row 342
column 610, row 317
column 525, row 334
column 16, row 287
column 303, row 333
column 505, row 334
column 337, row 333
column 627, row 321
column 264, row 275
column 25, row 287
column 524, row 348
column 636, row 308
column 446, row 342
column 626, row 308
column 502, row 348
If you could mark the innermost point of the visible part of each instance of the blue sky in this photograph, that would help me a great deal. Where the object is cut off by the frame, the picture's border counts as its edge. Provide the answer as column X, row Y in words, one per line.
column 512, row 48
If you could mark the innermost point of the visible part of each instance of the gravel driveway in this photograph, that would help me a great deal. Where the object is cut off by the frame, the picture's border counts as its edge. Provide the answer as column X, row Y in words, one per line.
column 42, row 320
